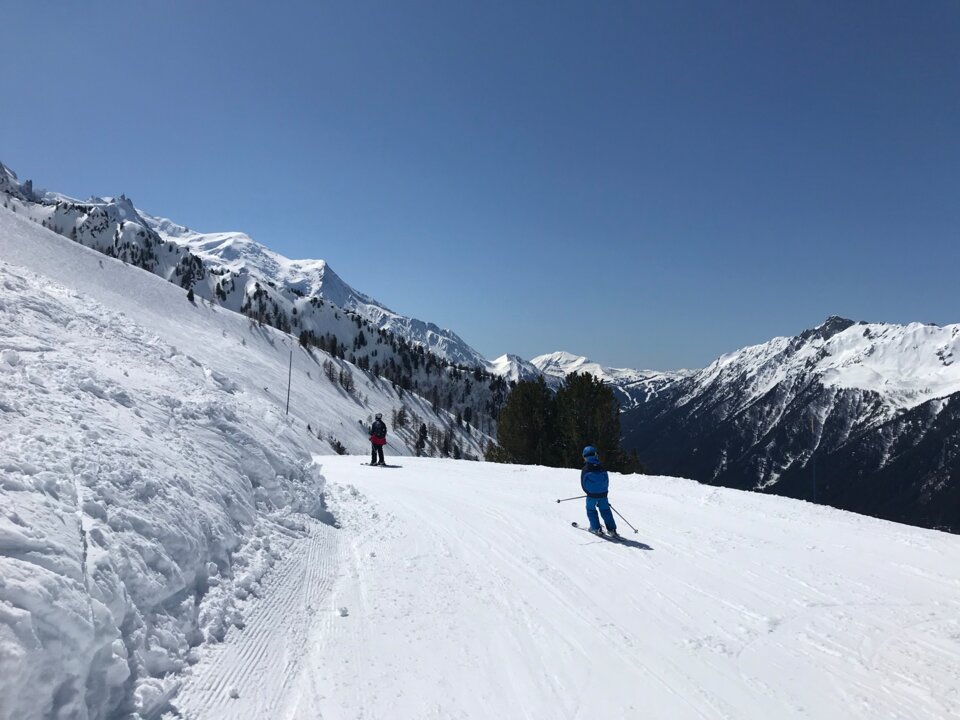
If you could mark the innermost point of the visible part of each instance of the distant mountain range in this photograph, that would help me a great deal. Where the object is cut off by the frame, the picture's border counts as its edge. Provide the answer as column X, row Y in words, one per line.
column 632, row 387
column 862, row 416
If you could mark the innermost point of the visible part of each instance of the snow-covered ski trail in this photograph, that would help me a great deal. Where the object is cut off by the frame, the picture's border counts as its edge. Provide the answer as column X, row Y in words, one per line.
column 468, row 598
column 455, row 590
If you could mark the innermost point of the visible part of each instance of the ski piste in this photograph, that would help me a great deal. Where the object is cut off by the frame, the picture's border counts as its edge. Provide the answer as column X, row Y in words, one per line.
column 602, row 534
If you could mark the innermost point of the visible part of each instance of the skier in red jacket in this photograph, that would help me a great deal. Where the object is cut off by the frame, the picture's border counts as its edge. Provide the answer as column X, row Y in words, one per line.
column 378, row 438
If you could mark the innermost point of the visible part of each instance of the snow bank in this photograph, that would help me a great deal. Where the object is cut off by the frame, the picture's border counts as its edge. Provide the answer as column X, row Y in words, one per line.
column 140, row 505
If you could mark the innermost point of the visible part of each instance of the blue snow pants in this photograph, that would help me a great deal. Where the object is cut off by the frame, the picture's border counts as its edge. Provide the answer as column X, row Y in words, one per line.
column 604, row 506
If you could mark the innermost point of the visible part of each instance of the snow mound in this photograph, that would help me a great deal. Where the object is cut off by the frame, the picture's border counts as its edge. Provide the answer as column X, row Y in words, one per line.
column 138, row 505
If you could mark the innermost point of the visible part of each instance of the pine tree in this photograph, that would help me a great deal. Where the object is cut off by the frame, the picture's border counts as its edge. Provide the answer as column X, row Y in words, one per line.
column 536, row 427
column 329, row 369
column 422, row 439
column 588, row 414
column 527, row 426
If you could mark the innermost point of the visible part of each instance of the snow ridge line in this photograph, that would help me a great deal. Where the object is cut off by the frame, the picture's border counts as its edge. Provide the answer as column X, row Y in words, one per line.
column 82, row 530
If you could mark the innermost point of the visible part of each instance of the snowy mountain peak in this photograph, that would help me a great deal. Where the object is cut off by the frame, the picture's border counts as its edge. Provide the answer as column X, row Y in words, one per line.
column 10, row 185
column 514, row 368
column 907, row 364
column 224, row 267
column 631, row 387
column 868, row 402
column 238, row 253
column 560, row 361
column 830, row 327
column 7, row 177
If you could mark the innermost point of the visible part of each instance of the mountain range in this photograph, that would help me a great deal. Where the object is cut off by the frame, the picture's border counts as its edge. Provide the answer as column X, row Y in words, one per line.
column 305, row 298
column 863, row 416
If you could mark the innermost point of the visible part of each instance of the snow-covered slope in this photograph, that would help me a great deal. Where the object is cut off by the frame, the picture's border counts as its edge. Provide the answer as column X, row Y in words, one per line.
column 762, row 416
column 461, row 591
column 305, row 298
column 237, row 253
column 149, row 475
column 168, row 249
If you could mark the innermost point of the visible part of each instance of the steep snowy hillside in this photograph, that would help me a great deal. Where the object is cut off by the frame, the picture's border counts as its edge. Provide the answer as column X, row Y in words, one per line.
column 856, row 415
column 237, row 254
column 304, row 298
column 149, row 475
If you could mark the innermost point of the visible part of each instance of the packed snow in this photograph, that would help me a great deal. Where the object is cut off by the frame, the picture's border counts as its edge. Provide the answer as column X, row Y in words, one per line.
column 460, row 590
column 174, row 545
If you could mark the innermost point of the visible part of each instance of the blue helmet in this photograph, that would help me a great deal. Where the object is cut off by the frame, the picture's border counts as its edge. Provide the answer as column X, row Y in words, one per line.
column 589, row 451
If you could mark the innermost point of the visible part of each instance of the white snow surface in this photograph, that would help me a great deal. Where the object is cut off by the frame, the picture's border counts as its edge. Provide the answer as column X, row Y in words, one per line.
column 140, row 504
column 460, row 590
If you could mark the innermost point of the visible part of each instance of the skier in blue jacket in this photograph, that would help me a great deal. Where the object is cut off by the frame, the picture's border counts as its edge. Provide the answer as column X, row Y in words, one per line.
column 595, row 483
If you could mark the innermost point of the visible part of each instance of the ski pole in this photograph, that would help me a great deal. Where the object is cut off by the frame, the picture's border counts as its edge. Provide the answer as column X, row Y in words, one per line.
column 573, row 498
column 624, row 519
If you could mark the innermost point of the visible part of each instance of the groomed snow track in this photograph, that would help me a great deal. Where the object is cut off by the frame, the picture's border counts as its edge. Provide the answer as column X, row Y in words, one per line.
column 466, row 594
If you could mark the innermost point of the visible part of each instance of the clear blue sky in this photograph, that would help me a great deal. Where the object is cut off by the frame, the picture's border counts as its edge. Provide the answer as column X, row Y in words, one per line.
column 650, row 184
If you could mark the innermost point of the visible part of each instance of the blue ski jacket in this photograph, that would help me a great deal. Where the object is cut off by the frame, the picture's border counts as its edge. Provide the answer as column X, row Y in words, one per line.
column 594, row 479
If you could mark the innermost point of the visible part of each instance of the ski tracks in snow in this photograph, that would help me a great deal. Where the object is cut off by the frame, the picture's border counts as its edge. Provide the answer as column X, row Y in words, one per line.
column 497, row 623
column 457, row 591
column 469, row 597
column 255, row 673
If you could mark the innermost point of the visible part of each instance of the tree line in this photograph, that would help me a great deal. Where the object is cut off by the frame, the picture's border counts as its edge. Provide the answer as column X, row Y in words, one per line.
column 539, row 427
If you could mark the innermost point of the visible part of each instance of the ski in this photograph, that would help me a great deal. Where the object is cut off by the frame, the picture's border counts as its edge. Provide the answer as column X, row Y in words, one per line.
column 601, row 534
